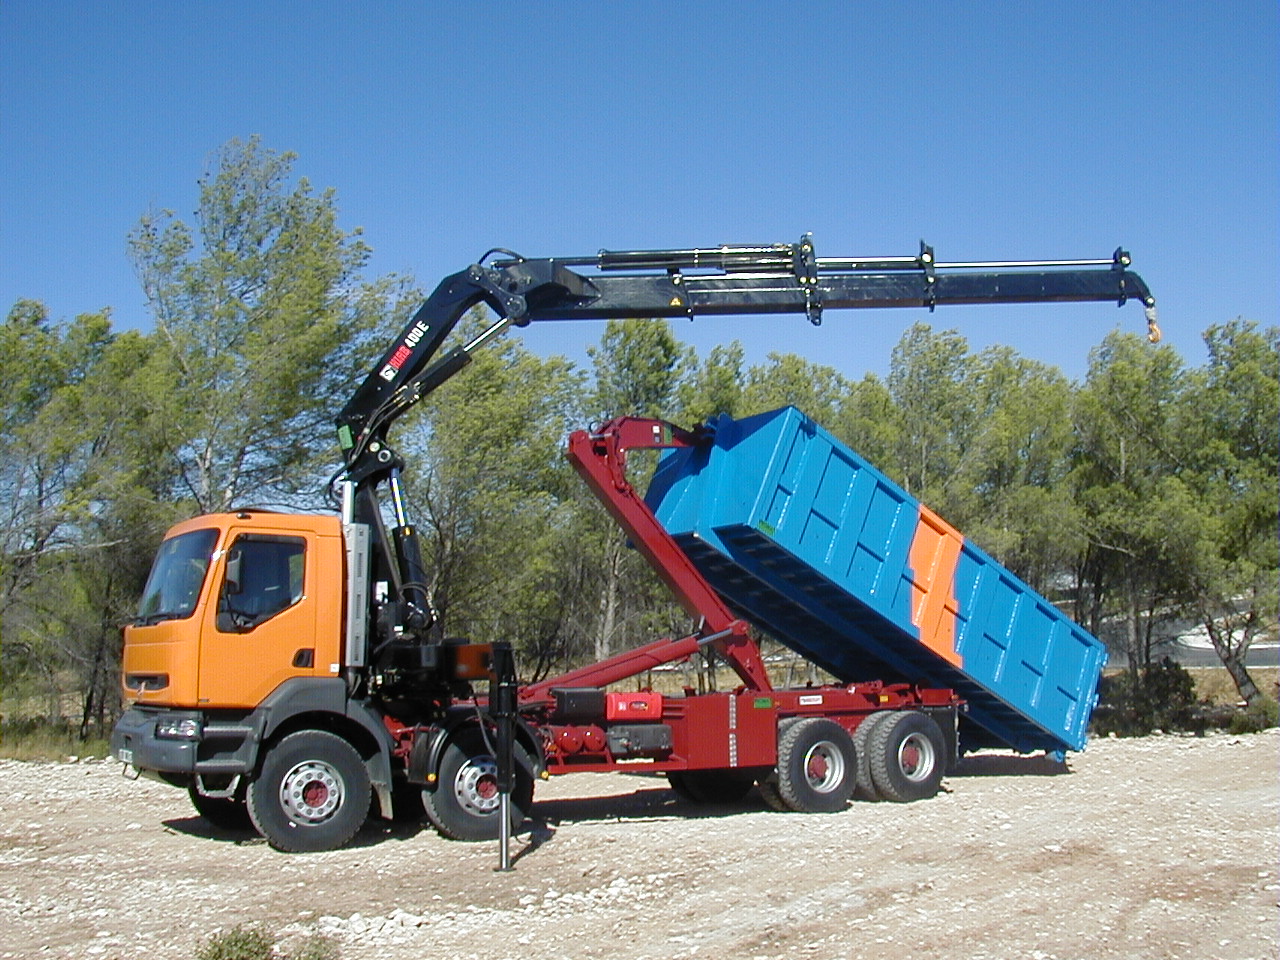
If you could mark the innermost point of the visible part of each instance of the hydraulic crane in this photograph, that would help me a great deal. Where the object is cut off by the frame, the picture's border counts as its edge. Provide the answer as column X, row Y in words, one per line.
column 726, row 280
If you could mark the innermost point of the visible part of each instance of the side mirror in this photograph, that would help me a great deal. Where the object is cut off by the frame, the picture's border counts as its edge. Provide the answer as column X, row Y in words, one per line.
column 233, row 573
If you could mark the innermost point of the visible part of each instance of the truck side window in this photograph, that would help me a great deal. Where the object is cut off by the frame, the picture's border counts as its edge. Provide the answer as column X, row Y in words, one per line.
column 263, row 577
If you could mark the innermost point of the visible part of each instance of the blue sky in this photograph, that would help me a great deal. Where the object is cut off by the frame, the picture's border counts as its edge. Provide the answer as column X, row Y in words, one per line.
column 992, row 131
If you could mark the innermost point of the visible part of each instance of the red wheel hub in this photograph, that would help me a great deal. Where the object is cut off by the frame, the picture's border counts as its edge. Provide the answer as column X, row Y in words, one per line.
column 910, row 756
column 315, row 793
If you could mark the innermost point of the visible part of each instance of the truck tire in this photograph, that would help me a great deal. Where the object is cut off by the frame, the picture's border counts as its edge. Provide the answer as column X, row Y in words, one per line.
column 864, row 787
column 768, row 784
column 768, row 787
column 465, row 802
column 225, row 813
column 711, row 786
column 816, row 766
column 312, row 793
column 907, row 757
column 680, row 786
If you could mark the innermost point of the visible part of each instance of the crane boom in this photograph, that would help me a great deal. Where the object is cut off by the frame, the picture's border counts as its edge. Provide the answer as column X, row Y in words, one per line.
column 728, row 280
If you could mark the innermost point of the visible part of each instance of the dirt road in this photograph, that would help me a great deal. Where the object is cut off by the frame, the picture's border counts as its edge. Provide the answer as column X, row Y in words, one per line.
column 1164, row 847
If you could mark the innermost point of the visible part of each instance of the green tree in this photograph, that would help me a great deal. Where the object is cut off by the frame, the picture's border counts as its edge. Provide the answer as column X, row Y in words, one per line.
column 40, row 471
column 869, row 421
column 930, row 380
column 76, row 502
column 1131, row 429
column 711, row 386
column 1011, row 479
column 787, row 379
column 1231, row 557
column 638, row 365
column 263, row 324
column 41, row 476
column 125, row 484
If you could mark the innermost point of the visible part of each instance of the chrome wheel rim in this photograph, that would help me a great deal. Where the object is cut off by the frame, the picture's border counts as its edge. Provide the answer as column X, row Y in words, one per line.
column 824, row 766
column 916, row 757
column 476, row 786
column 311, row 792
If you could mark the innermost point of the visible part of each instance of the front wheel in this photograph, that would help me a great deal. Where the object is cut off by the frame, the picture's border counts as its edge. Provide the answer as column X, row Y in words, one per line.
column 226, row 813
column 465, row 802
column 312, row 794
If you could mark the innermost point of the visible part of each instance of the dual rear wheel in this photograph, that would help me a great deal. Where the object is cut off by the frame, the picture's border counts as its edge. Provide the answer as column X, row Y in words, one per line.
column 816, row 762
column 901, row 756
column 893, row 755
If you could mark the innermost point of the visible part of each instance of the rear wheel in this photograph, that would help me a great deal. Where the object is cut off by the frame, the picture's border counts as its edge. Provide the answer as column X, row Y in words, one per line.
column 906, row 757
column 312, row 794
column 816, row 760
column 465, row 802
column 864, row 787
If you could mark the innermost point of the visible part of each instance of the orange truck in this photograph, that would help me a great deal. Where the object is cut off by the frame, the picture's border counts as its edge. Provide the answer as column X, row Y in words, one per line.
column 289, row 671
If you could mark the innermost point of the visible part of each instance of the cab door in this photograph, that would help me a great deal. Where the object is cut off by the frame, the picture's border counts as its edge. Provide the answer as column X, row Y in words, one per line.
column 260, row 629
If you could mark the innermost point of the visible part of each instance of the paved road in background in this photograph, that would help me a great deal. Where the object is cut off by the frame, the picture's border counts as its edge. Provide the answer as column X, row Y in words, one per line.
column 1195, row 655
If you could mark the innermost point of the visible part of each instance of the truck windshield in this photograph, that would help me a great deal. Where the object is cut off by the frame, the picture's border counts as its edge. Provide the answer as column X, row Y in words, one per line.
column 176, row 577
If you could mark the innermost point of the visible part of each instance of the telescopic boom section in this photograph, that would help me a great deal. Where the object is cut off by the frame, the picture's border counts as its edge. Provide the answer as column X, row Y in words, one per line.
column 727, row 280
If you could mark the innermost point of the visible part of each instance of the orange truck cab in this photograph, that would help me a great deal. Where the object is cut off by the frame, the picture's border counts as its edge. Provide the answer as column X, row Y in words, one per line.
column 239, row 632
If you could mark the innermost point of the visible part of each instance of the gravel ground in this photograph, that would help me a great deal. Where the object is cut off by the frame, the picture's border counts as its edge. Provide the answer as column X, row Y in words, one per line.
column 1163, row 847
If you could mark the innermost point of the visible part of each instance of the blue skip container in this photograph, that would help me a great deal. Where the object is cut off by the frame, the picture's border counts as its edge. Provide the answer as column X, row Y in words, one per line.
column 815, row 546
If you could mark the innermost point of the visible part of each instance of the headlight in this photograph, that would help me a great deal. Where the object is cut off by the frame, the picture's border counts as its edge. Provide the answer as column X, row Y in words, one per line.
column 178, row 728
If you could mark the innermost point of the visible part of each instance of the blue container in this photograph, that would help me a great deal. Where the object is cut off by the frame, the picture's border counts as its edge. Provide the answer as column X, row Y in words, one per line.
column 818, row 548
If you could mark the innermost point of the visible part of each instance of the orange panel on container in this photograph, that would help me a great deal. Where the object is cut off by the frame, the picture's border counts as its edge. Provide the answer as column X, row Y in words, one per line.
column 935, row 552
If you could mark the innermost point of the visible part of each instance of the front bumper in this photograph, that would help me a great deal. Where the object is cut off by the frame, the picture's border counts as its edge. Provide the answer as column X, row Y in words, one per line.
column 223, row 748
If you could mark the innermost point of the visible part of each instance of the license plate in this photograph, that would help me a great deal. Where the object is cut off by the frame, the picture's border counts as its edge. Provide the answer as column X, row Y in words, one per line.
column 124, row 755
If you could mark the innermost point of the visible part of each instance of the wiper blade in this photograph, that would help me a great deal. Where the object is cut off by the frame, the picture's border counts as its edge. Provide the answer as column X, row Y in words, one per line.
column 153, row 618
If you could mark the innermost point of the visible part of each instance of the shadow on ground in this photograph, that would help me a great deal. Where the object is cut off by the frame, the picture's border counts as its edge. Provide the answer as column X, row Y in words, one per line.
column 1009, row 766
column 374, row 832
column 646, row 803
